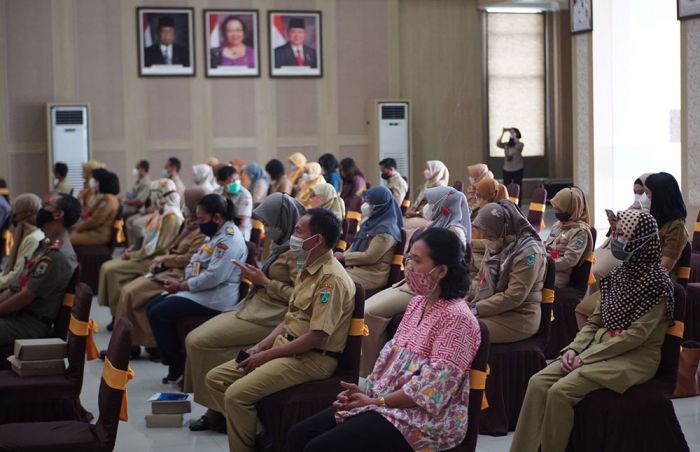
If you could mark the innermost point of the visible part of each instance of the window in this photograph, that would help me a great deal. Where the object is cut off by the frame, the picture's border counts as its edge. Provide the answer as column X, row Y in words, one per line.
column 516, row 79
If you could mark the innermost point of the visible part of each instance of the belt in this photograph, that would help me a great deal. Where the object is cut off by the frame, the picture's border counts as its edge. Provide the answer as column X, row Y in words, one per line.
column 43, row 319
column 336, row 355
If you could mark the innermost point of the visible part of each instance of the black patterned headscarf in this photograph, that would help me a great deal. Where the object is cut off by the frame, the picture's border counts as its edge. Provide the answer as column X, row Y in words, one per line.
column 634, row 288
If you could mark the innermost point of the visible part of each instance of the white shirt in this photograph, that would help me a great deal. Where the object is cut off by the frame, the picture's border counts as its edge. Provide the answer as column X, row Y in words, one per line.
column 167, row 52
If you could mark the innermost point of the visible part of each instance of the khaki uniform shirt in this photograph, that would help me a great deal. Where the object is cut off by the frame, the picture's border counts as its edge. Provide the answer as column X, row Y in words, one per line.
column 567, row 248
column 282, row 185
column 169, row 230
column 371, row 266
column 47, row 274
column 142, row 189
column 267, row 306
column 323, row 300
column 96, row 225
column 398, row 187
column 674, row 237
column 182, row 251
column 179, row 188
column 62, row 187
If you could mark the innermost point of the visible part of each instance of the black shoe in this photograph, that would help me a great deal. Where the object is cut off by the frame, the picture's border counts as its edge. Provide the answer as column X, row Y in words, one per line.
column 175, row 376
column 135, row 352
column 153, row 354
column 211, row 420
column 103, row 355
column 200, row 425
column 110, row 327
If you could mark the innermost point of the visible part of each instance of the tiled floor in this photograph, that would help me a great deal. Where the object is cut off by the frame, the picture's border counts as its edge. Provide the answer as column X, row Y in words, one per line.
column 134, row 436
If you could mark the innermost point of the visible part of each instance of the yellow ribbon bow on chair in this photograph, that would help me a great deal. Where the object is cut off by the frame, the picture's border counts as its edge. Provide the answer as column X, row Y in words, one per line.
column 118, row 379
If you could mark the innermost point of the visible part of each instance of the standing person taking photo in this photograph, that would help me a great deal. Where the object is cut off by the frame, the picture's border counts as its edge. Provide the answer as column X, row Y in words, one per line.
column 514, row 165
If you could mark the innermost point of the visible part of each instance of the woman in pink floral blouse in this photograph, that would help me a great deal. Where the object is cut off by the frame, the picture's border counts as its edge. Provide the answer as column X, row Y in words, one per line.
column 417, row 396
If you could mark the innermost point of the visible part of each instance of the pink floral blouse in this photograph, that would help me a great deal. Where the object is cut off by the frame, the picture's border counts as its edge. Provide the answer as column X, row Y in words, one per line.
column 429, row 360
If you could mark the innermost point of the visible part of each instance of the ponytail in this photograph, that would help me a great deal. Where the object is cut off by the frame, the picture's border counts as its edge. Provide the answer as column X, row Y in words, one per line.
column 213, row 204
column 230, row 214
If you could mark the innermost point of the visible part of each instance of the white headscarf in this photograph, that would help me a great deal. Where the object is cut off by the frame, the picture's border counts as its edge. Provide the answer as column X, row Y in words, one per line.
column 204, row 176
column 168, row 197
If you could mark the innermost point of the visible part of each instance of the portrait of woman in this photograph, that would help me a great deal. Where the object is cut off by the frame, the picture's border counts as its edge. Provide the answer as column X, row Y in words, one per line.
column 231, row 40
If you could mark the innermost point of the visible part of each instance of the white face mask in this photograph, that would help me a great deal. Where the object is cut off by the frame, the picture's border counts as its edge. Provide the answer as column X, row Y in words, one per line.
column 135, row 172
column 92, row 183
column 293, row 167
column 296, row 246
column 366, row 209
column 306, row 177
column 428, row 212
column 643, row 200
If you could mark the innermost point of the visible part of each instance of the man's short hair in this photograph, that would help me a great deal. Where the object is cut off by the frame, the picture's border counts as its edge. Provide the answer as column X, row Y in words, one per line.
column 144, row 165
column 388, row 163
column 175, row 163
column 71, row 209
column 166, row 21
column 324, row 222
column 297, row 22
column 225, row 172
column 61, row 169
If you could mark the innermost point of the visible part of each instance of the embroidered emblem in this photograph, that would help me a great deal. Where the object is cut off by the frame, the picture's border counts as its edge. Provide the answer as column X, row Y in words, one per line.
column 219, row 252
column 229, row 230
column 531, row 260
column 102, row 204
column 325, row 295
column 41, row 268
column 578, row 244
column 207, row 249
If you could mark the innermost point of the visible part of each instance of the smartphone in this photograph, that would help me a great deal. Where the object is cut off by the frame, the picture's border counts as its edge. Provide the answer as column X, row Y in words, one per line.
column 242, row 356
column 610, row 213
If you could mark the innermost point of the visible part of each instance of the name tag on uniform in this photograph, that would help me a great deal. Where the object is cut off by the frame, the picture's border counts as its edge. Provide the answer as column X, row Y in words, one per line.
column 196, row 266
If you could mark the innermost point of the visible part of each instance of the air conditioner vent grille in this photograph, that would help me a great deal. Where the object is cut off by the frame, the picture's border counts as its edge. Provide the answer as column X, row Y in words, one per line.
column 69, row 117
column 393, row 112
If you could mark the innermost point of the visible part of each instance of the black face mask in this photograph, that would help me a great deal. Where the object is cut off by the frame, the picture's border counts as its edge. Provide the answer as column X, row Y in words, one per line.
column 562, row 216
column 385, row 176
column 511, row 142
column 43, row 217
column 209, row 229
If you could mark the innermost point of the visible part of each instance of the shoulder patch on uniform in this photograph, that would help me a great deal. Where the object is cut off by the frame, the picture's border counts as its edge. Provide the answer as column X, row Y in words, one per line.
column 229, row 230
column 207, row 249
column 102, row 204
column 41, row 267
column 531, row 260
column 578, row 244
column 325, row 295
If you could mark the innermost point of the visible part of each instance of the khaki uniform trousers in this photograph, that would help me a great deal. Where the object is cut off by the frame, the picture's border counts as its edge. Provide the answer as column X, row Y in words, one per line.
column 236, row 393
column 135, row 225
column 213, row 343
column 114, row 274
column 379, row 311
column 547, row 415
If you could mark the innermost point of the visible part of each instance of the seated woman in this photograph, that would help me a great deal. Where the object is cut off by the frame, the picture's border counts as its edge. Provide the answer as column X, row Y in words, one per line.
column 25, row 237
column 87, row 194
column 570, row 238
column 477, row 173
column 159, row 234
column 297, row 163
column 324, row 195
column 312, row 176
column 619, row 346
column 487, row 191
column 329, row 164
column 210, row 284
column 203, row 176
column 368, row 260
column 436, row 175
column 354, row 182
column 512, row 274
column 280, row 183
column 641, row 200
column 221, row 338
column 451, row 213
column 416, row 397
column 134, row 296
column 96, row 226
column 259, row 182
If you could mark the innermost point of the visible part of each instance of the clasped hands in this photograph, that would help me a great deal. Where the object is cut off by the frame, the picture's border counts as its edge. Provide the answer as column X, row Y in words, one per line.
column 570, row 362
column 352, row 397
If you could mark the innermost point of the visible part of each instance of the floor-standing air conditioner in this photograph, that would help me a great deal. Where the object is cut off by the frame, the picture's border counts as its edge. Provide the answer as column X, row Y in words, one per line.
column 69, row 140
column 391, row 135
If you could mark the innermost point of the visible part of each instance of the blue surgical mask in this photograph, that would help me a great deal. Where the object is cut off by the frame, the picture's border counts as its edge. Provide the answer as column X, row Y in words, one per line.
column 165, row 173
column 234, row 187
column 617, row 248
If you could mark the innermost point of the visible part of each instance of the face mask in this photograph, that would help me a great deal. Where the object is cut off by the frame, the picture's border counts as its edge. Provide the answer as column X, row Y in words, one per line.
column 234, row 187
column 273, row 233
column 562, row 216
column 296, row 246
column 293, row 167
column 135, row 172
column 92, row 183
column 209, row 229
column 426, row 174
column 165, row 173
column 427, row 212
column 643, row 201
column 385, row 176
column 618, row 245
column 43, row 217
column 306, row 177
column 420, row 283
column 366, row 209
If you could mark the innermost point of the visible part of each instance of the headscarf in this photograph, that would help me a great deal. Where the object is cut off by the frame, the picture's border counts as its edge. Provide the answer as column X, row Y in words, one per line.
column 330, row 199
column 642, row 180
column 438, row 174
column 449, row 208
column 666, row 200
column 479, row 172
column 386, row 218
column 168, row 197
column 280, row 211
column 256, row 173
column 573, row 201
column 636, row 286
column 505, row 220
column 213, row 162
column 204, row 176
column 24, row 209
column 299, row 160
column 192, row 197
column 315, row 173
column 490, row 190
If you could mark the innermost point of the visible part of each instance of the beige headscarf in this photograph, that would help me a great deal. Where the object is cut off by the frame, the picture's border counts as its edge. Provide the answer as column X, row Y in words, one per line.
column 479, row 172
column 315, row 177
column 573, row 201
column 490, row 190
column 299, row 160
column 330, row 199
column 438, row 174
column 24, row 209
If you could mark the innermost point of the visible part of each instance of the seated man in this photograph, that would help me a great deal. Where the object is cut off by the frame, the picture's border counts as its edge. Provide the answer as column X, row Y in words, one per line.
column 230, row 187
column 305, row 346
column 136, row 198
column 28, row 309
column 61, row 184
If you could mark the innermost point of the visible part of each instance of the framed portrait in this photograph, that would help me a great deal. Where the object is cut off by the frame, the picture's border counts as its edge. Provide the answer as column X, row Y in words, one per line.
column 165, row 39
column 231, row 43
column 688, row 9
column 581, row 12
column 295, row 44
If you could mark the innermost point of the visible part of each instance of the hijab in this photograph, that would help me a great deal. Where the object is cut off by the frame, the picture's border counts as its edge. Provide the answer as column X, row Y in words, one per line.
column 330, row 199
column 438, row 174
column 505, row 220
column 299, row 160
column 490, row 190
column 479, row 172
column 636, row 286
column 281, row 212
column 204, row 176
column 385, row 218
column 449, row 208
column 166, row 195
column 256, row 173
column 666, row 200
column 24, row 209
